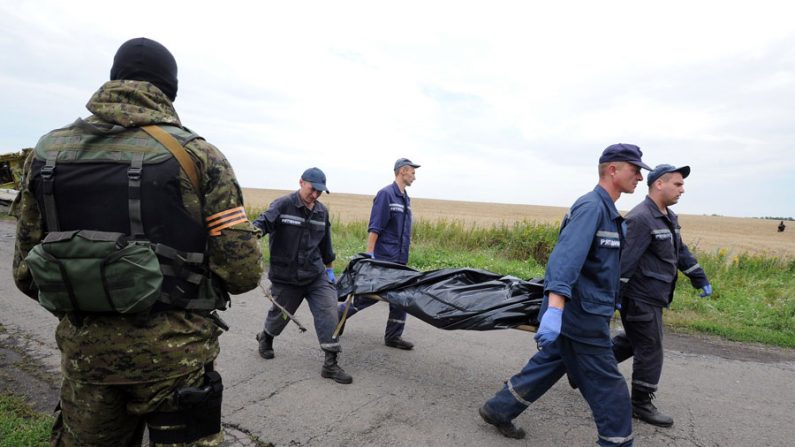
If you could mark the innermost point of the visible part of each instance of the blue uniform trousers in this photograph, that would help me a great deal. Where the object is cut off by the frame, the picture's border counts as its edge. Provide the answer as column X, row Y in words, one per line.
column 596, row 373
column 394, row 325
column 642, row 340
column 322, row 298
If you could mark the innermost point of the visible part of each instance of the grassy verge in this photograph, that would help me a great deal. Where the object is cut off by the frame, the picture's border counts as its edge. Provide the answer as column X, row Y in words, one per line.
column 754, row 299
column 20, row 425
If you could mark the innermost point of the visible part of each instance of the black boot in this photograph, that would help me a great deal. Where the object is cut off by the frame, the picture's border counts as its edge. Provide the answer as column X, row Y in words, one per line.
column 399, row 343
column 643, row 409
column 265, row 345
column 333, row 371
column 506, row 429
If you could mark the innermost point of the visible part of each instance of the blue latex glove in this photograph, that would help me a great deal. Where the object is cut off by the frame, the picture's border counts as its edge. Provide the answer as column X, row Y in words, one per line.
column 331, row 278
column 370, row 255
column 549, row 327
column 706, row 291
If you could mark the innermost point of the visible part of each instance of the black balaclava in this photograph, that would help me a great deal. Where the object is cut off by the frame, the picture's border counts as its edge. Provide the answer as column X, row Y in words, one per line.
column 143, row 59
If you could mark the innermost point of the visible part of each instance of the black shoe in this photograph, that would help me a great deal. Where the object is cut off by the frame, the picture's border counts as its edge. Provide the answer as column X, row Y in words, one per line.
column 648, row 413
column 643, row 409
column 331, row 370
column 507, row 429
column 265, row 345
column 399, row 343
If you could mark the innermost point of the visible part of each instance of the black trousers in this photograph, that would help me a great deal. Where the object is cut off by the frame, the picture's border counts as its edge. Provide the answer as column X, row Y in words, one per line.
column 643, row 340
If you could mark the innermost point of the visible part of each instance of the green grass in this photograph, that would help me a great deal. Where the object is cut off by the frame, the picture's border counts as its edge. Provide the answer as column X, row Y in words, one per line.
column 443, row 244
column 754, row 299
column 21, row 426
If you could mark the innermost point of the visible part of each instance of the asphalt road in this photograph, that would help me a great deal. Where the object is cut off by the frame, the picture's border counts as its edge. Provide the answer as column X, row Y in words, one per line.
column 719, row 393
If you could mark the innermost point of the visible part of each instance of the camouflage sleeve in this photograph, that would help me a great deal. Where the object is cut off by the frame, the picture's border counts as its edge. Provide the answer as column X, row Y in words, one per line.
column 30, row 231
column 233, row 246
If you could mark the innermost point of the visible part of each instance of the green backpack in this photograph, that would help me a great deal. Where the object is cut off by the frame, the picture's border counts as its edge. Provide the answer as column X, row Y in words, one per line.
column 95, row 271
column 88, row 271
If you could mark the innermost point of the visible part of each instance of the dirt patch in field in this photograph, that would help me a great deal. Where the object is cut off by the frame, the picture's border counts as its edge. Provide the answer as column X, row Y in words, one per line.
column 707, row 233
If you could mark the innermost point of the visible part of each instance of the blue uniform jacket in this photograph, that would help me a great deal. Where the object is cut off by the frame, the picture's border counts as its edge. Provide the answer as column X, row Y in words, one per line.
column 300, row 240
column 584, row 267
column 390, row 218
column 653, row 253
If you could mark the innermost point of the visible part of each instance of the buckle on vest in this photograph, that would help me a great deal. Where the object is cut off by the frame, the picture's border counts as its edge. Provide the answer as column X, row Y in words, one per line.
column 134, row 173
column 47, row 172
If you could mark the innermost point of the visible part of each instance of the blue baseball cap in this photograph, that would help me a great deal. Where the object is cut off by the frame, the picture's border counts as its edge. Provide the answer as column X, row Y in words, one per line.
column 404, row 162
column 623, row 152
column 660, row 170
column 317, row 178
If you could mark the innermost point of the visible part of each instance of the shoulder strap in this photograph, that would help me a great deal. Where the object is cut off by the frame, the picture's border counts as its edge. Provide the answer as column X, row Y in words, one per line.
column 179, row 152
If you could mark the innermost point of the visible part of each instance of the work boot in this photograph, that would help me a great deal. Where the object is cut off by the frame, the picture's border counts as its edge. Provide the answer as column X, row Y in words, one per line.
column 333, row 371
column 643, row 409
column 265, row 345
column 399, row 343
column 507, row 429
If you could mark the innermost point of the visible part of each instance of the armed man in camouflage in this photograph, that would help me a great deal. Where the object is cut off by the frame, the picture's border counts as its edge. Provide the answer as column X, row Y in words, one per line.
column 122, row 371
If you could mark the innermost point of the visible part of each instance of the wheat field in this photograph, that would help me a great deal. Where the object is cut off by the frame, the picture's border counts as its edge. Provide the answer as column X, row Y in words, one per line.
column 706, row 233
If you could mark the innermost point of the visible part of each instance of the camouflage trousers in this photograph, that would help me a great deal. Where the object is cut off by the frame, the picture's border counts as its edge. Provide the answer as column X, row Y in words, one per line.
column 114, row 415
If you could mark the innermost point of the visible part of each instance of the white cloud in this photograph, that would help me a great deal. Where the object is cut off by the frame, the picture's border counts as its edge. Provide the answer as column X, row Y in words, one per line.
column 503, row 101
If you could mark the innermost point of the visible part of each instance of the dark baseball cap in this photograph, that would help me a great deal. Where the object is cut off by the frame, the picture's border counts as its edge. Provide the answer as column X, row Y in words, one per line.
column 623, row 152
column 404, row 162
column 317, row 178
column 663, row 169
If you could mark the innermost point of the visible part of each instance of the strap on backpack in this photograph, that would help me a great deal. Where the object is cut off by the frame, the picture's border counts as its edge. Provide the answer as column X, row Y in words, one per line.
column 179, row 152
column 48, row 180
column 134, row 196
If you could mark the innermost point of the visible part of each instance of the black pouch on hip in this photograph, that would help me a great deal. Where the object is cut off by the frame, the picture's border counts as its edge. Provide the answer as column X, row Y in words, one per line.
column 198, row 414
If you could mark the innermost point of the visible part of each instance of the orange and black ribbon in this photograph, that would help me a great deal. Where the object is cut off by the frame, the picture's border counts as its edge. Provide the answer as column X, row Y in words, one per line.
column 225, row 219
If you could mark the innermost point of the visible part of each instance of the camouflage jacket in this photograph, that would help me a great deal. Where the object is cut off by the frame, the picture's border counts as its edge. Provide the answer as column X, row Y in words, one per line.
column 233, row 250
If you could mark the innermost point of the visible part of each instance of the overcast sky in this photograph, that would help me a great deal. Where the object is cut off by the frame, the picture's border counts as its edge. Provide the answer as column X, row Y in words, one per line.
column 499, row 101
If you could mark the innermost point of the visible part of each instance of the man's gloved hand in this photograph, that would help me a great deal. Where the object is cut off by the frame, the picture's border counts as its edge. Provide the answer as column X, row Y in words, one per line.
column 370, row 255
column 706, row 291
column 549, row 327
column 331, row 278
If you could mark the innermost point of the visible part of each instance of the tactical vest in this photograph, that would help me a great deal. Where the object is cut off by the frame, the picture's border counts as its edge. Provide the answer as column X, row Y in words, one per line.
column 108, row 194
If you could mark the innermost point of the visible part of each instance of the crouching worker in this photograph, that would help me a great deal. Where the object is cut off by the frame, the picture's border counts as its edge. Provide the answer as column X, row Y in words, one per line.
column 131, row 230
column 301, row 257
